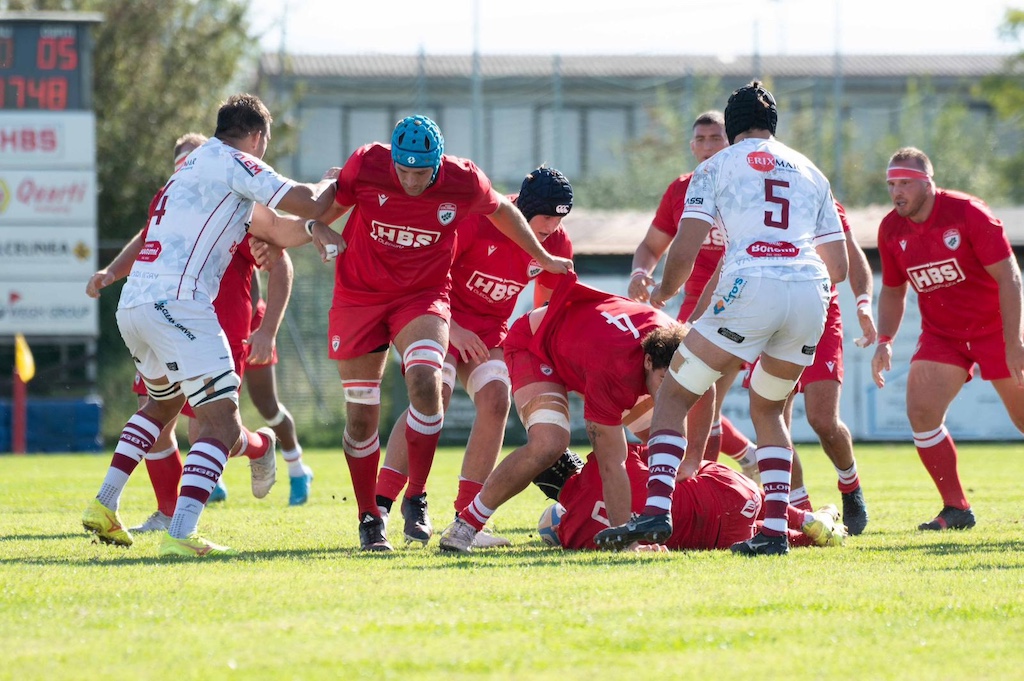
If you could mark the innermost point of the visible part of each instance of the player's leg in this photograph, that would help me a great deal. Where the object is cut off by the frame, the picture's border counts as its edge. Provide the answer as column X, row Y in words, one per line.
column 360, row 378
column 543, row 408
column 261, row 383
column 488, row 385
column 821, row 404
column 798, row 495
column 931, row 388
column 422, row 343
column 722, row 386
column 163, row 464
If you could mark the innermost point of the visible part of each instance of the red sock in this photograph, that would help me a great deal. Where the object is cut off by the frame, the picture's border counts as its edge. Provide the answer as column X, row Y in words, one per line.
column 422, row 433
column 468, row 489
column 390, row 483
column 733, row 443
column 938, row 454
column 254, row 445
column 362, row 459
column 165, row 474
column 795, row 517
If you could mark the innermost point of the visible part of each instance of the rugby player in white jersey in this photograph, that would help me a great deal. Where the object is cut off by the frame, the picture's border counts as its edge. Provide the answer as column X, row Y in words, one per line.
column 167, row 320
column 785, row 248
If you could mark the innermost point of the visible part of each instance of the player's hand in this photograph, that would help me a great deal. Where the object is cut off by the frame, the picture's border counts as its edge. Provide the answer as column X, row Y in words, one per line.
column 659, row 297
column 331, row 173
column 261, row 346
column 639, row 287
column 329, row 244
column 264, row 253
column 637, row 547
column 100, row 280
column 468, row 344
column 557, row 265
column 687, row 468
column 1015, row 362
column 867, row 327
column 882, row 361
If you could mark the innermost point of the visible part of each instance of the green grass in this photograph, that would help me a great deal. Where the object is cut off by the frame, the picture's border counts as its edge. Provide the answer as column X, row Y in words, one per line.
column 302, row 602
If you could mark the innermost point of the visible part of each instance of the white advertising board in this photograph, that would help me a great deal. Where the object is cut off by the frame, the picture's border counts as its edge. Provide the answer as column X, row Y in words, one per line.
column 48, row 309
column 43, row 253
column 43, row 139
column 47, row 197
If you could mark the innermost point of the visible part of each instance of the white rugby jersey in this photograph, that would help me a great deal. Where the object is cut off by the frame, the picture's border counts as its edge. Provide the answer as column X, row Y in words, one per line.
column 196, row 221
column 774, row 206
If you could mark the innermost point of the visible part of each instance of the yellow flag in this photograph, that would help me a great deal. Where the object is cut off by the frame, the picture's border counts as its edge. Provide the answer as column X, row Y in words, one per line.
column 24, row 364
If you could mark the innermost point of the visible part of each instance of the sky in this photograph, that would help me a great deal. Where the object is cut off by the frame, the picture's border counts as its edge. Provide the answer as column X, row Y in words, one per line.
column 652, row 27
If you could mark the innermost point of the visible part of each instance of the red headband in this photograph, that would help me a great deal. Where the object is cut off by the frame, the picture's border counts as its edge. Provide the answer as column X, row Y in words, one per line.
column 901, row 173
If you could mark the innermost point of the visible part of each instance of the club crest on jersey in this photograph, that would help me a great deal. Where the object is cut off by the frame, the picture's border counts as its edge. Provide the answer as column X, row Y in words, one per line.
column 446, row 213
column 533, row 269
column 399, row 236
column 761, row 161
column 335, row 343
column 951, row 238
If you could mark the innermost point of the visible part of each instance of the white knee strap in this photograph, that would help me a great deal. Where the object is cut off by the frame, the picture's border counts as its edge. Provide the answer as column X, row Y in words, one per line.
column 423, row 353
column 361, row 391
column 691, row 372
column 168, row 391
column 448, row 375
column 550, row 408
column 491, row 370
column 282, row 414
column 211, row 387
column 770, row 387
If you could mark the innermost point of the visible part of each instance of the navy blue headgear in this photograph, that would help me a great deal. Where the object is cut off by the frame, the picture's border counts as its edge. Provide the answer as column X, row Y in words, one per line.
column 545, row 191
column 750, row 107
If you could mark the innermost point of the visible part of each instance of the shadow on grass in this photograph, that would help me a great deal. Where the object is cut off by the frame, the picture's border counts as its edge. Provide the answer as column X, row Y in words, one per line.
column 41, row 536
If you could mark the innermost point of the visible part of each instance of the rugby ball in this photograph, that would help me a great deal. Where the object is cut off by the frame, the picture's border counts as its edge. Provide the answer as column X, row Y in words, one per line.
column 549, row 520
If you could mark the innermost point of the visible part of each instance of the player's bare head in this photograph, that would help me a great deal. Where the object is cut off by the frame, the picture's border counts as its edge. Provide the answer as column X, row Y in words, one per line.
column 712, row 117
column 417, row 142
column 185, row 145
column 708, row 135
column 661, row 343
column 912, row 157
column 242, row 115
column 750, row 107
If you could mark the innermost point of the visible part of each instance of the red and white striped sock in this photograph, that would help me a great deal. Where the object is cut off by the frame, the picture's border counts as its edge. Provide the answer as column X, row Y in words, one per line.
column 476, row 514
column 422, row 432
column 137, row 438
column 468, row 489
column 362, row 459
column 799, row 497
column 849, row 481
column 938, row 454
column 775, row 465
column 666, row 449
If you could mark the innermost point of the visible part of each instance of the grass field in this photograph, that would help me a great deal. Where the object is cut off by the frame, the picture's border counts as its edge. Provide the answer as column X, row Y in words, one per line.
column 304, row 603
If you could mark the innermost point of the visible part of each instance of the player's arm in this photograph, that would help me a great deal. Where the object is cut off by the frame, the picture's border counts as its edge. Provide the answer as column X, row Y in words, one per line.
column 892, row 302
column 682, row 253
column 290, row 231
column 833, row 254
column 707, row 293
column 118, row 268
column 279, row 290
column 645, row 259
column 862, row 284
column 609, row 444
column 512, row 224
column 1007, row 275
column 308, row 200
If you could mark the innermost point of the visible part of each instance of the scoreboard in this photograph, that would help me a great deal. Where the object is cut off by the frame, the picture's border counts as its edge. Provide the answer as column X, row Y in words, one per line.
column 48, row 186
column 42, row 66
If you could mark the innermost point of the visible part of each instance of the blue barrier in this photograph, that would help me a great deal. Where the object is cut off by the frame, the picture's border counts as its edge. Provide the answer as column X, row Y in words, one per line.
column 57, row 425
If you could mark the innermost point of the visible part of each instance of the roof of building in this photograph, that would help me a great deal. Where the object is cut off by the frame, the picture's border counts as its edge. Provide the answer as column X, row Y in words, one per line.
column 632, row 66
column 596, row 232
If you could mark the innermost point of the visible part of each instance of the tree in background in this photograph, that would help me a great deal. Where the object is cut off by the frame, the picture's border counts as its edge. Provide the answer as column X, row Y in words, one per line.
column 1006, row 92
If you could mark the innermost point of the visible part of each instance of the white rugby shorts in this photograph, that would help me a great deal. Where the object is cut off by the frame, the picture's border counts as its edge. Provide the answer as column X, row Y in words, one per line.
column 179, row 339
column 749, row 315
